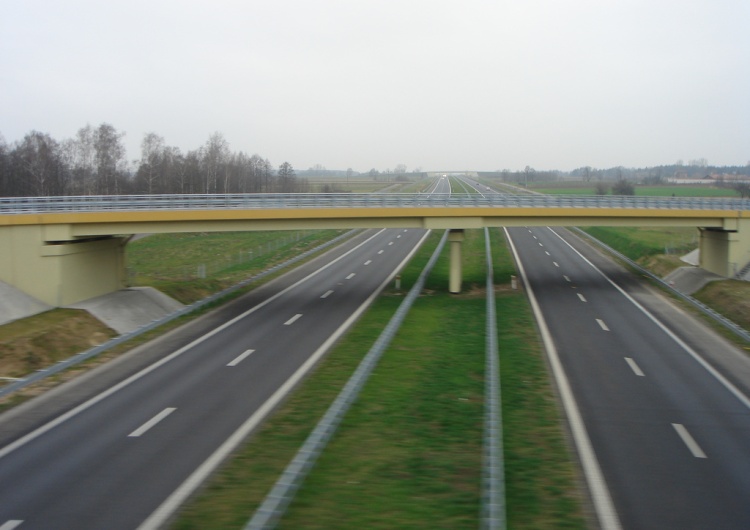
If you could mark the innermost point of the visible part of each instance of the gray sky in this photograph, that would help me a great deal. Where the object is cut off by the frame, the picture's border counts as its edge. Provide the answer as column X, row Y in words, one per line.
column 469, row 84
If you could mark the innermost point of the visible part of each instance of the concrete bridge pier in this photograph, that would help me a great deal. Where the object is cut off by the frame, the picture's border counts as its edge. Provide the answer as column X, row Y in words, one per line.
column 455, row 237
column 61, row 272
column 725, row 251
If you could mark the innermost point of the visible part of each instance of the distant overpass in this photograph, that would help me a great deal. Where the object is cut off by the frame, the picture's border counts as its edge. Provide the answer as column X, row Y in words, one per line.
column 65, row 249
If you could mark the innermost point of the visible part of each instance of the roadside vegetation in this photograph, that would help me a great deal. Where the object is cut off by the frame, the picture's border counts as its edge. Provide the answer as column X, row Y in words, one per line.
column 408, row 453
column 189, row 267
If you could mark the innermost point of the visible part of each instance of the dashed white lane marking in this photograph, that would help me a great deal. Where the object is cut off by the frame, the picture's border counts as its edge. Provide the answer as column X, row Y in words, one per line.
column 11, row 524
column 390, row 243
column 352, row 275
column 541, row 245
column 633, row 366
column 566, row 278
column 547, row 252
column 240, row 358
column 534, row 236
column 368, row 262
column 292, row 320
column 150, row 423
column 380, row 251
column 602, row 324
column 689, row 441
column 581, row 297
column 398, row 236
column 326, row 294
column 555, row 264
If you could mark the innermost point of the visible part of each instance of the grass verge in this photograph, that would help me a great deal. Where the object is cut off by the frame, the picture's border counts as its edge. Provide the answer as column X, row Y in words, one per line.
column 408, row 454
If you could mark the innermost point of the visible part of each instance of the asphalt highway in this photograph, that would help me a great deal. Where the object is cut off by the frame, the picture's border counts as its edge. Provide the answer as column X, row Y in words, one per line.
column 128, row 452
column 662, row 399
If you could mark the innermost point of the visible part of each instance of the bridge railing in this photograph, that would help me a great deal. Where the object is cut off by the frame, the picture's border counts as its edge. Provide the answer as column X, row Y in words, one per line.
column 98, row 203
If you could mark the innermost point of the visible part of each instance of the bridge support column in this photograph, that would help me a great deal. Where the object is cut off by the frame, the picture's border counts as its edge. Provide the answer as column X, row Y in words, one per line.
column 60, row 273
column 725, row 251
column 455, row 237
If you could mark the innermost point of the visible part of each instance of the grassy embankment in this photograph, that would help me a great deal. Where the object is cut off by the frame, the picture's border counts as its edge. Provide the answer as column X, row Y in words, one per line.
column 408, row 453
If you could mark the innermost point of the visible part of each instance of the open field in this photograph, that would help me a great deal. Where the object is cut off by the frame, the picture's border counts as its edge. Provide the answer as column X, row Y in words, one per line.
column 408, row 453
column 644, row 191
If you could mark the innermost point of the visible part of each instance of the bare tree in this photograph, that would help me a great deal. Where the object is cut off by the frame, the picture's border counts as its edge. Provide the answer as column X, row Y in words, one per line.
column 287, row 178
column 152, row 153
column 109, row 158
column 215, row 152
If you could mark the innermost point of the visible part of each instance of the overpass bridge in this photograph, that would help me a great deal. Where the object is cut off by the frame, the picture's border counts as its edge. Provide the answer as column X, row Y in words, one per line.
column 61, row 250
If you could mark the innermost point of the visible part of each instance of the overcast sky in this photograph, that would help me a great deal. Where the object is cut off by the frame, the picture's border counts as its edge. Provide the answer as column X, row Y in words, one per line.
column 436, row 84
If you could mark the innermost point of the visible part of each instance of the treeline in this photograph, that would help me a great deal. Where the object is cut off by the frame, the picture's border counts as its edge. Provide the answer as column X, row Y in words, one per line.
column 94, row 162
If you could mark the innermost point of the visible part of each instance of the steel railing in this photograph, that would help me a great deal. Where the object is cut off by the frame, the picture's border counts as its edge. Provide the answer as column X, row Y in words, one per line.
column 99, row 203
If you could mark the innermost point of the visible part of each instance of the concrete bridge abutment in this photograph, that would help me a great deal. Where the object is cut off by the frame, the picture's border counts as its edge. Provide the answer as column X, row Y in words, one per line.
column 61, row 272
column 725, row 251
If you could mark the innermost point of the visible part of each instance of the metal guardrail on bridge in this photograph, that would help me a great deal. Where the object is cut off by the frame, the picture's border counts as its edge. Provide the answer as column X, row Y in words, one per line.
column 99, row 203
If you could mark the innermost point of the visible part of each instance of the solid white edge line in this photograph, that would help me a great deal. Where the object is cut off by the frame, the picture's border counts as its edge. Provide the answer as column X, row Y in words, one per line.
column 634, row 366
column 692, row 445
column 600, row 496
column 710, row 369
column 11, row 524
column 602, row 324
column 167, row 508
column 122, row 384
column 241, row 357
column 150, row 423
column 294, row 319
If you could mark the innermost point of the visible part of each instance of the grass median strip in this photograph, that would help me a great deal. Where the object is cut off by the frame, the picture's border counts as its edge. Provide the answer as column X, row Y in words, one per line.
column 408, row 454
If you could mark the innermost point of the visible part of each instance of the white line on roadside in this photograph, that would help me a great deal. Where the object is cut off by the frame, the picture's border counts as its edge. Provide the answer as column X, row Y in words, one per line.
column 700, row 360
column 158, row 518
column 292, row 320
column 603, row 505
column 11, row 524
column 352, row 275
column 5, row 451
column 150, row 423
column 633, row 366
column 326, row 294
column 368, row 262
column 240, row 358
column 581, row 297
column 689, row 441
column 602, row 324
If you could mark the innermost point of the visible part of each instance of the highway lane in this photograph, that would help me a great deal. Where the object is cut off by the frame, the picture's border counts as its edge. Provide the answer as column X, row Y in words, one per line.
column 115, row 462
column 670, row 438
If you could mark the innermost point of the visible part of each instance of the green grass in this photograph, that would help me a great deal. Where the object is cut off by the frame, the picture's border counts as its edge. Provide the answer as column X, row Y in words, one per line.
column 408, row 453
column 641, row 243
column 171, row 262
